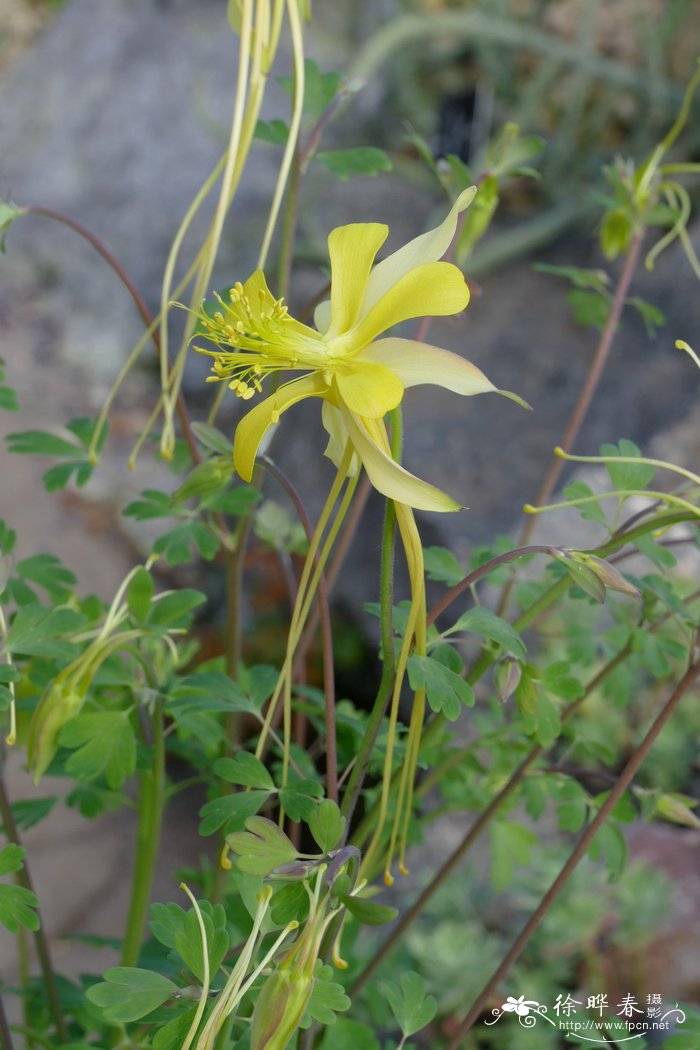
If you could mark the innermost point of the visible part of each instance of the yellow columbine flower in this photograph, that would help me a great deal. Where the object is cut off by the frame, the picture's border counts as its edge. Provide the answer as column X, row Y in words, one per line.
column 359, row 376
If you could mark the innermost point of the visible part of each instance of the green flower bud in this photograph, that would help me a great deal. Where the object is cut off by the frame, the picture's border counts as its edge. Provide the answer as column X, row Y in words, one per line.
column 62, row 702
column 280, row 1008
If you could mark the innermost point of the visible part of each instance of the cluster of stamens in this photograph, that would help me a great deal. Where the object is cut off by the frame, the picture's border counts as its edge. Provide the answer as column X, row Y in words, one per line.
column 252, row 330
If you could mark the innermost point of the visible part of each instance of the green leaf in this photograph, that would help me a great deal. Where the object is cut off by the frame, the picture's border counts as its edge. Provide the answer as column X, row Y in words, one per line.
column 274, row 131
column 327, row 825
column 626, row 475
column 589, row 511
column 262, row 847
column 140, row 594
column 364, row 160
column 595, row 280
column 230, row 811
column 18, row 908
column 368, row 912
column 349, row 1035
column 290, row 902
column 445, row 690
column 129, row 993
column 17, row 904
column 31, row 811
column 410, row 1005
column 486, row 624
column 36, row 631
column 511, row 844
column 206, row 478
column 173, row 610
column 212, row 438
column 244, row 769
column 152, row 504
column 188, row 939
column 298, row 798
column 9, row 213
column 572, row 805
column 43, row 443
column 8, row 399
column 172, row 1035
column 179, row 545
column 441, row 565
column 327, row 998
column 167, row 921
column 48, row 573
column 543, row 720
column 653, row 318
column 11, row 858
column 590, row 309
column 105, row 744
column 237, row 501
column 319, row 88
column 610, row 845
column 276, row 526
column 558, row 680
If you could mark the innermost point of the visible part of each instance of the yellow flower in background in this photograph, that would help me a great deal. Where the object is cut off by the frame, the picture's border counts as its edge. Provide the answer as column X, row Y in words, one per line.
column 359, row 376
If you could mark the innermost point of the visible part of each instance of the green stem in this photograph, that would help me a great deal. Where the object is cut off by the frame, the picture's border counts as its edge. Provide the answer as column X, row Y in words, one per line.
column 40, row 940
column 138, row 300
column 623, row 782
column 326, row 634
column 289, row 225
column 151, row 801
column 477, row 827
column 386, row 610
column 5, row 1034
column 588, row 390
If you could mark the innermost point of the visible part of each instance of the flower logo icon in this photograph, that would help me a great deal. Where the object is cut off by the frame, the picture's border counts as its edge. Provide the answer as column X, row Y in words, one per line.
column 520, row 1006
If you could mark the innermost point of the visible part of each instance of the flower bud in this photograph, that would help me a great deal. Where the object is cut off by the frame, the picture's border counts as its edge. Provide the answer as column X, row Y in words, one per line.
column 280, row 1008
column 62, row 702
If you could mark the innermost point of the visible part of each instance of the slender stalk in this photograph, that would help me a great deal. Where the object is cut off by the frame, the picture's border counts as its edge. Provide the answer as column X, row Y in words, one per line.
column 235, row 564
column 335, row 563
column 151, row 801
column 289, row 225
column 477, row 827
column 381, row 702
column 386, row 626
column 139, row 302
column 40, row 940
column 585, row 397
column 623, row 782
column 5, row 1034
column 326, row 633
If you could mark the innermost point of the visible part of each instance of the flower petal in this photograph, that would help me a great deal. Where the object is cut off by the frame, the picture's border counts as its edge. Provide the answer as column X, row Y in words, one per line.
column 252, row 428
column 322, row 316
column 338, row 437
column 368, row 389
column 433, row 290
column 429, row 247
column 352, row 250
column 387, row 476
column 418, row 363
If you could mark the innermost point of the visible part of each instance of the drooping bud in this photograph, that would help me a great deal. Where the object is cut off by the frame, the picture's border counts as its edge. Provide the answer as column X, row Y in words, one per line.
column 62, row 702
column 280, row 1008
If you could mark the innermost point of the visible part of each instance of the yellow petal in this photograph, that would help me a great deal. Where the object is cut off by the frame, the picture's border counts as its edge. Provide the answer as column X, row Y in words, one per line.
column 369, row 389
column 429, row 247
column 418, row 363
column 252, row 428
column 352, row 250
column 433, row 290
column 338, row 437
column 389, row 477
column 322, row 316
